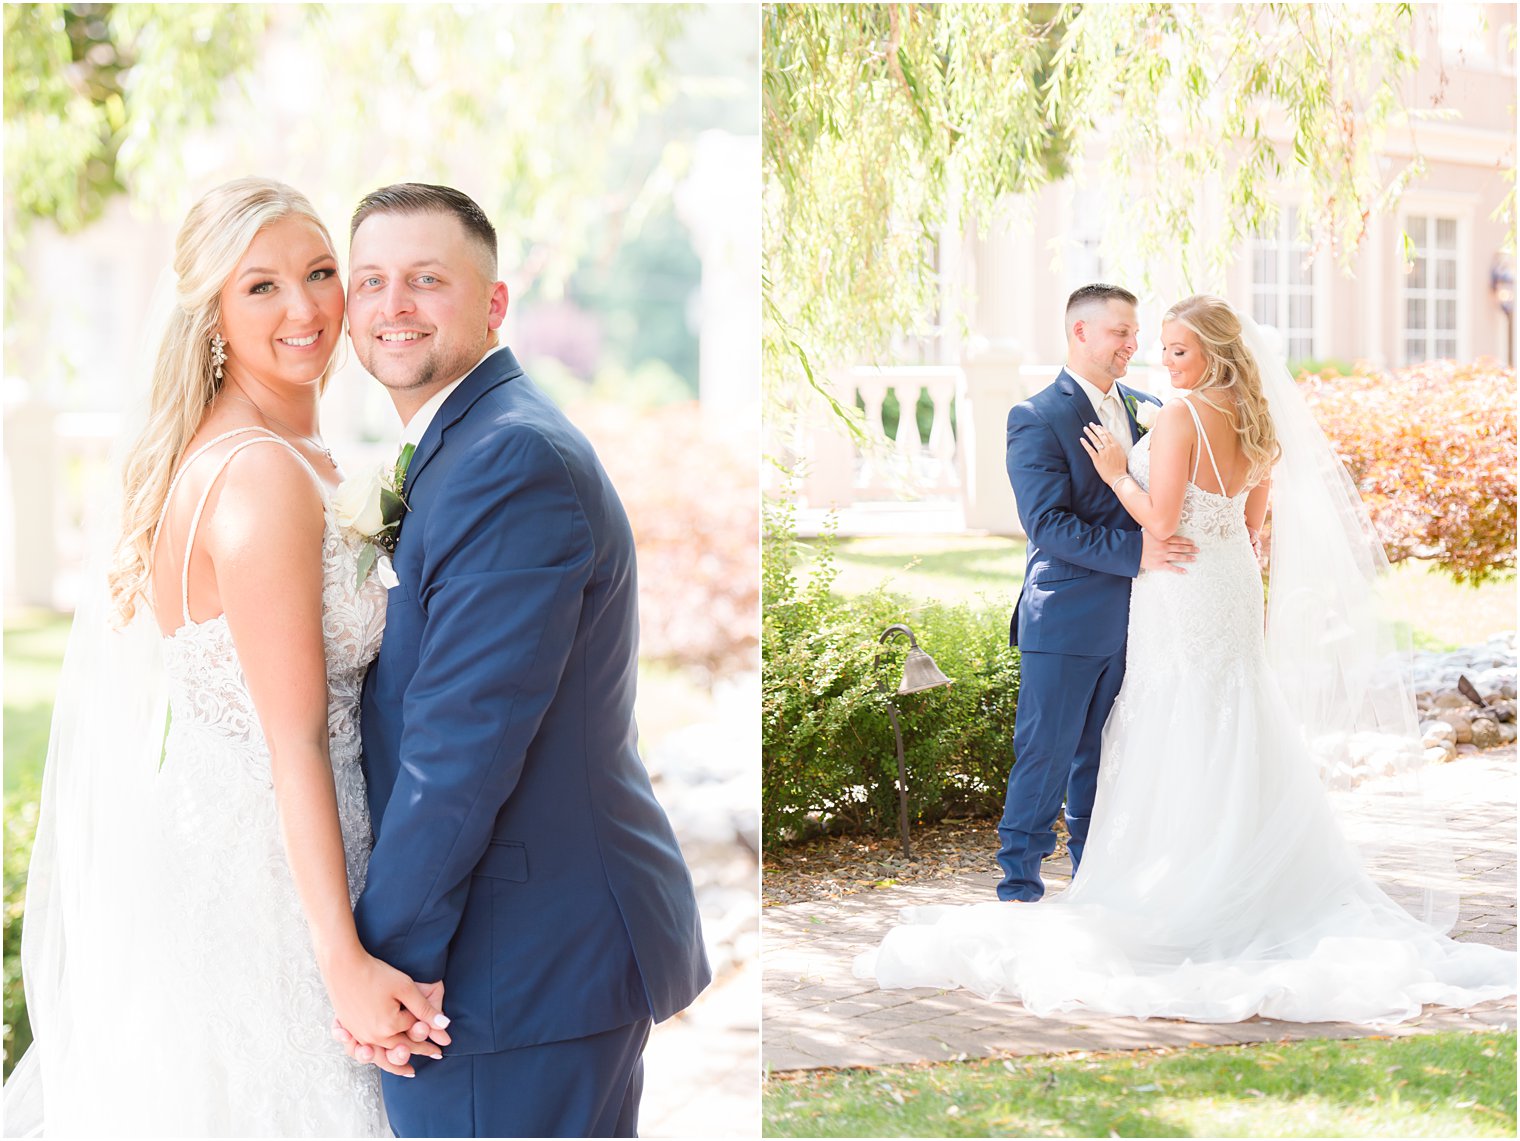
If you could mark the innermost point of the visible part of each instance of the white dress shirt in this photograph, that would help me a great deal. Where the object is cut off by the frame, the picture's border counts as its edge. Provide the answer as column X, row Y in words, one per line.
column 413, row 432
column 1109, row 408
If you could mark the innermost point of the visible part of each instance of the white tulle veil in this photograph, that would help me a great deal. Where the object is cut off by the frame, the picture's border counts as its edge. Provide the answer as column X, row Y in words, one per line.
column 101, row 1016
column 1339, row 658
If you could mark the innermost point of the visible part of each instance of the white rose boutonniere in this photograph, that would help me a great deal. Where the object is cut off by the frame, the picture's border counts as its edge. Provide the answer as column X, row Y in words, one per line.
column 1144, row 413
column 372, row 507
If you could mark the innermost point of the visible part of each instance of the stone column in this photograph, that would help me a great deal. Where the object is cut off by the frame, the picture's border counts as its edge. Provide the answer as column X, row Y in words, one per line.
column 30, row 539
column 992, row 387
column 718, row 204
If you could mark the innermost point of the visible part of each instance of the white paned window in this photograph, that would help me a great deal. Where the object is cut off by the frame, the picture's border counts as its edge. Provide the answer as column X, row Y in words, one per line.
column 1282, row 284
column 1430, row 289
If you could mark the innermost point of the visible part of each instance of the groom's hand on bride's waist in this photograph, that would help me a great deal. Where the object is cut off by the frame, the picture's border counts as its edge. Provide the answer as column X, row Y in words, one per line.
column 1166, row 554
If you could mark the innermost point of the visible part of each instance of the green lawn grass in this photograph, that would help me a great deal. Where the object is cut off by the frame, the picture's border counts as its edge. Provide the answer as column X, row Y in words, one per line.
column 1437, row 1085
column 1439, row 613
column 34, row 642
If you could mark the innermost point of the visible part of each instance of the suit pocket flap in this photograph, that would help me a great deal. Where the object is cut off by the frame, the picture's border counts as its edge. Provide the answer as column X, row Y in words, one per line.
column 1054, row 571
column 504, row 860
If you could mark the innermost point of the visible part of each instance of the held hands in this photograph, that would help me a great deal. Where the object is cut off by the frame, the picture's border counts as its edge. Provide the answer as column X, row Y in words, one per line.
column 383, row 1014
column 394, row 1059
column 1106, row 453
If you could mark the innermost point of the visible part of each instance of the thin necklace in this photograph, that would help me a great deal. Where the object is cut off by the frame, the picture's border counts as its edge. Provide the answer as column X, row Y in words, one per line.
column 321, row 447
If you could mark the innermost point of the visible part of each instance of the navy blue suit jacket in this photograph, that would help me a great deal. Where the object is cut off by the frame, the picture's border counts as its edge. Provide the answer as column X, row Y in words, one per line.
column 520, row 854
column 1084, row 549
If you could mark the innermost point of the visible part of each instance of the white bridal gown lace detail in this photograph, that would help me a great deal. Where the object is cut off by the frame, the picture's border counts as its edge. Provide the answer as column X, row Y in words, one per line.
column 1216, row 884
column 260, row 1059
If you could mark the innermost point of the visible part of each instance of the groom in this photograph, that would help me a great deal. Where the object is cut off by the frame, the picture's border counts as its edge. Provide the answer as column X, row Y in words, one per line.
column 1073, row 612
column 520, row 855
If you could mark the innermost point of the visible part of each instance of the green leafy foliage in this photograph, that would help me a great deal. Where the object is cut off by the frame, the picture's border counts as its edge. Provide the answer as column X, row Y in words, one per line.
column 886, row 124
column 1432, row 451
column 828, row 753
column 99, row 94
column 555, row 111
column 20, row 826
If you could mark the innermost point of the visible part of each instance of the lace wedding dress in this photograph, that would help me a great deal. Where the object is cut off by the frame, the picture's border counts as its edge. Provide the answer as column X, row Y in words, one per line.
column 236, row 1039
column 1216, row 884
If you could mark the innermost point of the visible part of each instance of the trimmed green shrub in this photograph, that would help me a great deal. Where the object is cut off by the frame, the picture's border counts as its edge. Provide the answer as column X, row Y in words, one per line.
column 828, row 755
column 20, row 825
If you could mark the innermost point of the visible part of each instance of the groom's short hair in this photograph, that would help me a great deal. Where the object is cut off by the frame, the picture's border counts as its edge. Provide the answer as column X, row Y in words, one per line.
column 426, row 198
column 1082, row 298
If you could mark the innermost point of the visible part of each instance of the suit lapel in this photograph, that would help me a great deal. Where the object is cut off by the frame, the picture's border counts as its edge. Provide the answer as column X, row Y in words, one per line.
column 496, row 369
column 1077, row 402
column 1130, row 400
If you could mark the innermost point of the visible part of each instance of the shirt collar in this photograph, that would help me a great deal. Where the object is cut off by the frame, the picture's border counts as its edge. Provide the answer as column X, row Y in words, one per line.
column 417, row 426
column 1094, row 393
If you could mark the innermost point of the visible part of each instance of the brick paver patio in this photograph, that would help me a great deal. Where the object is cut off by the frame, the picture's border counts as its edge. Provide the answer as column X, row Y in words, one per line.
column 816, row 1014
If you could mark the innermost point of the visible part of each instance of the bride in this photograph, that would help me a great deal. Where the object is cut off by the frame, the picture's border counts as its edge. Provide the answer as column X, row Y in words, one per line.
column 189, row 934
column 1216, row 884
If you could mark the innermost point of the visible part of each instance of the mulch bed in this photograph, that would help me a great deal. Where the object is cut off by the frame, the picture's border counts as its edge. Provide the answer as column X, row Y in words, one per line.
column 833, row 866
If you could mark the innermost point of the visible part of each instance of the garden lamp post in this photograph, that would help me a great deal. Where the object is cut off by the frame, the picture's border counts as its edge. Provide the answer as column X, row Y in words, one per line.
column 919, row 673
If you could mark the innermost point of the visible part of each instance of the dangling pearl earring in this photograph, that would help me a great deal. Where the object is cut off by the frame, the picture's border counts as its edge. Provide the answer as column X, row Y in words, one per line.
column 218, row 354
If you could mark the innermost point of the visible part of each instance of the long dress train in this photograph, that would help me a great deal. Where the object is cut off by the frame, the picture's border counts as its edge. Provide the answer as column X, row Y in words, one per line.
column 1216, row 883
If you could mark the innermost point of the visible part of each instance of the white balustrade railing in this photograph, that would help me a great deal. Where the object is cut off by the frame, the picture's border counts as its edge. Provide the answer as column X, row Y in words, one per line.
column 842, row 469
column 961, row 463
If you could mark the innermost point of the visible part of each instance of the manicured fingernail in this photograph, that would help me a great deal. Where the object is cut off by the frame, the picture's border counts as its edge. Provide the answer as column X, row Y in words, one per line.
column 441, row 1021
column 436, row 1057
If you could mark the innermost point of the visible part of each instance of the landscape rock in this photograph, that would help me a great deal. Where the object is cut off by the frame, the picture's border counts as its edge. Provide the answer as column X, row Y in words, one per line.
column 1491, row 668
column 1460, row 724
column 1485, row 733
column 1433, row 732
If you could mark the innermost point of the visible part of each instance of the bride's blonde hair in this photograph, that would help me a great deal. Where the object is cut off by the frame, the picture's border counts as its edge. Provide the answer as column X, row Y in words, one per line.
column 216, row 234
column 1229, row 366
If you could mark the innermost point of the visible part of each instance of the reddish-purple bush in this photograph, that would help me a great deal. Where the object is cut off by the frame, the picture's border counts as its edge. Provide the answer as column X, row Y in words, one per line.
column 692, row 496
column 1432, row 450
